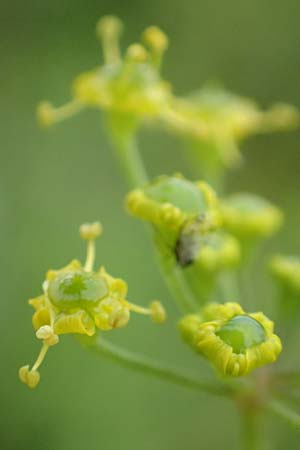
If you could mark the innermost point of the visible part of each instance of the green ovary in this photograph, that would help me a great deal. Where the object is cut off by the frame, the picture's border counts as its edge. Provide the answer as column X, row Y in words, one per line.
column 181, row 193
column 241, row 333
column 77, row 289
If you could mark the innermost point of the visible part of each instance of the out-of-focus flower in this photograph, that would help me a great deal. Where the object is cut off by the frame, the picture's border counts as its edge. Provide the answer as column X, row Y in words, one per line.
column 286, row 270
column 250, row 219
column 207, row 259
column 129, row 85
column 215, row 121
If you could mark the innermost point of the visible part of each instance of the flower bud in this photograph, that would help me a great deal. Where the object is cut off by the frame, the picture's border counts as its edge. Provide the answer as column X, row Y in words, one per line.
column 286, row 270
column 250, row 218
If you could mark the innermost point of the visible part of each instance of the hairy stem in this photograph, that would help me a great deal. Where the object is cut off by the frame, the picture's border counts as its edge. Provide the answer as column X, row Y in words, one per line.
column 143, row 364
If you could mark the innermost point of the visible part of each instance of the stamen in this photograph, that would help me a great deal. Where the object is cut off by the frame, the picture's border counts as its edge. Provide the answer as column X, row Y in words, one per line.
column 89, row 232
column 49, row 115
column 156, row 310
column 136, row 53
column 157, row 41
column 41, row 357
column 109, row 29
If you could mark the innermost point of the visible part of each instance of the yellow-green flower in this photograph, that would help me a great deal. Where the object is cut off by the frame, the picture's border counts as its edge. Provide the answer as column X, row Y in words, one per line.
column 129, row 85
column 235, row 342
column 286, row 270
column 171, row 203
column 248, row 216
column 207, row 259
column 215, row 121
column 79, row 300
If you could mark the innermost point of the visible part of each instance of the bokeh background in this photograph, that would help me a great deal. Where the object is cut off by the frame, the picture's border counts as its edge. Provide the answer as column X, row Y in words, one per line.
column 52, row 181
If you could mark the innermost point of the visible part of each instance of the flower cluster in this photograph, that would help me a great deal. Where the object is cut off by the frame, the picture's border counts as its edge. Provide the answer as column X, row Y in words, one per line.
column 215, row 121
column 212, row 120
column 200, row 236
column 129, row 85
column 79, row 300
column 234, row 341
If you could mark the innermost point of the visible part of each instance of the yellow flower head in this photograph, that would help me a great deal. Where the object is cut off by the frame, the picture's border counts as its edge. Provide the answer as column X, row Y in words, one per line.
column 79, row 300
column 129, row 85
column 286, row 270
column 171, row 203
column 215, row 121
column 249, row 216
column 235, row 342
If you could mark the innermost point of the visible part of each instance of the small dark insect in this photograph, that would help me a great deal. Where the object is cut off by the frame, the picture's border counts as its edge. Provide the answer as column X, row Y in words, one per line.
column 190, row 241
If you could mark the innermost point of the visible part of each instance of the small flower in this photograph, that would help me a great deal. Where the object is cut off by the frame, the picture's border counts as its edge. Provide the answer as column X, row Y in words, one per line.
column 171, row 203
column 79, row 300
column 215, row 121
column 286, row 270
column 131, row 85
column 248, row 216
column 205, row 259
column 209, row 253
column 234, row 341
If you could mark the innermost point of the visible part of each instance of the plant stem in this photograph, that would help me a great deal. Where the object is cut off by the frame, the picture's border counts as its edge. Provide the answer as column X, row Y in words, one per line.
column 146, row 365
column 130, row 160
column 252, row 436
column 133, row 168
column 177, row 285
column 280, row 410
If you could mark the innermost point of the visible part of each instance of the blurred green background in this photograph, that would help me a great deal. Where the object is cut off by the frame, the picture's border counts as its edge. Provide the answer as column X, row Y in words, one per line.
column 53, row 181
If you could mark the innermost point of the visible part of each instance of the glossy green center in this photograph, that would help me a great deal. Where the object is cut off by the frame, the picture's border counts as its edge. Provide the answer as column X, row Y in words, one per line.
column 241, row 333
column 77, row 289
column 179, row 192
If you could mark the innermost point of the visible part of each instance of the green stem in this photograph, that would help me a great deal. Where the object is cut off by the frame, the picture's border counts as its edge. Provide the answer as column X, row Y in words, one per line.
column 176, row 283
column 130, row 160
column 124, row 139
column 252, row 436
column 280, row 410
column 148, row 366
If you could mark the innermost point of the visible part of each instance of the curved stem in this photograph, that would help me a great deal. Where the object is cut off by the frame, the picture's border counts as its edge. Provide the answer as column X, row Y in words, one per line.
column 146, row 365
